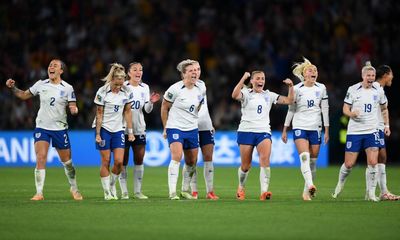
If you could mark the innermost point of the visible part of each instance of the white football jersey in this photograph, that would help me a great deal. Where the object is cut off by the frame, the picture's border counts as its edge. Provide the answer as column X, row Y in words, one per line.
column 307, row 102
column 367, row 102
column 141, row 96
column 54, row 99
column 205, row 123
column 255, row 110
column 114, row 103
column 183, row 114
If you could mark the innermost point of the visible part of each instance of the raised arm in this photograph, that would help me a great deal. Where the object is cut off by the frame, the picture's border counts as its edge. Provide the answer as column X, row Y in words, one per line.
column 154, row 97
column 165, row 107
column 289, row 99
column 236, row 94
column 24, row 95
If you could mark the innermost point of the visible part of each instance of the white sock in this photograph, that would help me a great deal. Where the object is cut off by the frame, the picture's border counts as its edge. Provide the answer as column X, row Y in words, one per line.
column 372, row 180
column 193, row 181
column 209, row 176
column 187, row 173
column 105, row 182
column 265, row 175
column 382, row 178
column 123, row 180
column 343, row 173
column 40, row 175
column 138, row 171
column 113, row 183
column 366, row 179
column 70, row 173
column 173, row 174
column 313, row 167
column 242, row 177
column 305, row 168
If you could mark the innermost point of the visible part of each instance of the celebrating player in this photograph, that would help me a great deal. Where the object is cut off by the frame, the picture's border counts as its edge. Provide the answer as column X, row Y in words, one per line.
column 141, row 100
column 179, row 115
column 254, row 128
column 311, row 99
column 361, row 105
column 113, row 102
column 51, row 124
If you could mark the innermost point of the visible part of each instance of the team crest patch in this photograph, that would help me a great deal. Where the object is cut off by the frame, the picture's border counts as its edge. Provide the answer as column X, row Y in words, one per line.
column 266, row 98
column 317, row 94
column 297, row 133
column 142, row 95
column 175, row 136
column 382, row 141
column 131, row 96
column 102, row 143
column 62, row 93
column 170, row 95
column 37, row 135
column 200, row 97
column 375, row 98
column 124, row 101
column 348, row 145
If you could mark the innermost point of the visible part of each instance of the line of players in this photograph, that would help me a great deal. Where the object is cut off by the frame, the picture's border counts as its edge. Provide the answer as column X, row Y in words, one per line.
column 119, row 125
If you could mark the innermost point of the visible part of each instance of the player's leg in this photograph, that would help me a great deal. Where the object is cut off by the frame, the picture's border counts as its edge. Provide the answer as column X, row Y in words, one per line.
column 264, row 152
column 123, row 177
column 190, row 163
column 61, row 142
column 138, row 170
column 41, row 149
column 372, row 172
column 353, row 146
column 42, row 142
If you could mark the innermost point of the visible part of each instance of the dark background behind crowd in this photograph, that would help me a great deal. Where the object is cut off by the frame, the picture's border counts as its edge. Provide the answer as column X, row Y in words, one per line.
column 227, row 37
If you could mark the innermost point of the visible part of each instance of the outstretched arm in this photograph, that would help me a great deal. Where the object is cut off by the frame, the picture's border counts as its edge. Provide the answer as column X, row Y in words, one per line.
column 24, row 95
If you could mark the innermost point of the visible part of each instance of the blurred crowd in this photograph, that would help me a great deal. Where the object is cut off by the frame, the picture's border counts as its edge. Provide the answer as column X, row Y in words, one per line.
column 227, row 37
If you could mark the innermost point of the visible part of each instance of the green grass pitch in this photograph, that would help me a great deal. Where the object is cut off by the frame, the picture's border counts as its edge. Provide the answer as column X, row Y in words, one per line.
column 285, row 216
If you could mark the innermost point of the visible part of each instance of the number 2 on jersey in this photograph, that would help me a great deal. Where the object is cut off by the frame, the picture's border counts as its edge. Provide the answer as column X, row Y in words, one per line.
column 52, row 100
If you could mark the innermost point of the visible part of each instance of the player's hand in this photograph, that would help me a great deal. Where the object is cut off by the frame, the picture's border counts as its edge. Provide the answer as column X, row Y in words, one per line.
column 131, row 137
column 284, row 136
column 355, row 114
column 154, row 97
column 326, row 138
column 288, row 82
column 98, row 138
column 387, row 131
column 73, row 110
column 165, row 133
column 246, row 75
column 10, row 83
